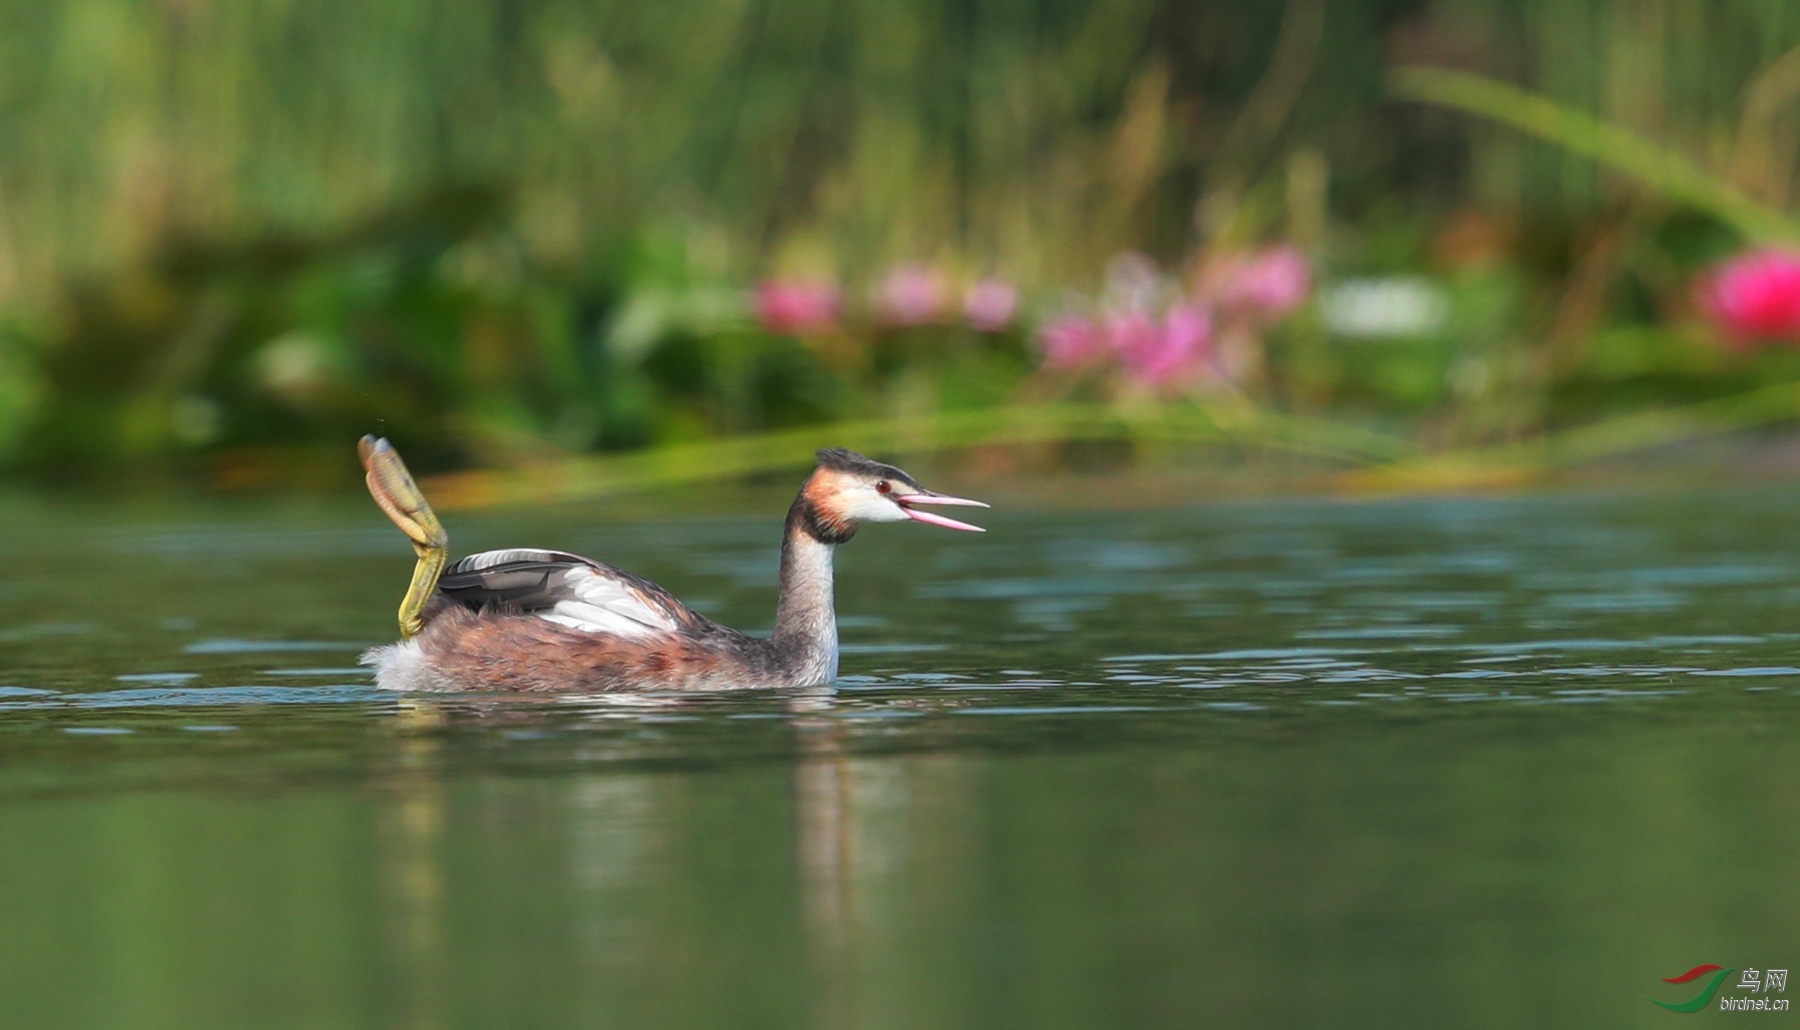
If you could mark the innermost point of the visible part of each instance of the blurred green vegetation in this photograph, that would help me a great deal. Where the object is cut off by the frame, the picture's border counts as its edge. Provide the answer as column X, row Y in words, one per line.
column 234, row 236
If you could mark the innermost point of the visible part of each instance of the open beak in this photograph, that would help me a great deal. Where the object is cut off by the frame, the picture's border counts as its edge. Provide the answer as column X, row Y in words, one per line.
column 906, row 502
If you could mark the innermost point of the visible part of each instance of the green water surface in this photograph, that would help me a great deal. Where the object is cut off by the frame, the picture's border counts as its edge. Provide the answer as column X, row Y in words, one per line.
column 1451, row 762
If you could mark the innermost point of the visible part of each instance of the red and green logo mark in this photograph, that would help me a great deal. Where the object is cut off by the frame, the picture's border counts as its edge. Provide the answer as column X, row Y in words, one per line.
column 1707, row 990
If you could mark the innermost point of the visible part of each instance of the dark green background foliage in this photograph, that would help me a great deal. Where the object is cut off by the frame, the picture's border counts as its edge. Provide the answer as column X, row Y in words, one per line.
column 505, row 230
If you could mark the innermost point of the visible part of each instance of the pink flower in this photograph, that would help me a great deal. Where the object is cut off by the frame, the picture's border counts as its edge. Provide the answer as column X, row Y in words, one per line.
column 1157, row 353
column 1755, row 297
column 796, row 305
column 991, row 304
column 1071, row 341
column 911, row 295
column 1131, row 338
column 1270, row 285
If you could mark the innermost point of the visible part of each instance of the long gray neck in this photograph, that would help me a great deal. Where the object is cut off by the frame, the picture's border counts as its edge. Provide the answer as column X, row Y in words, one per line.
column 805, row 639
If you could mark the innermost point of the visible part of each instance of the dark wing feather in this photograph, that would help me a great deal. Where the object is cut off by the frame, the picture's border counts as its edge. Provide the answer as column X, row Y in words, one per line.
column 568, row 589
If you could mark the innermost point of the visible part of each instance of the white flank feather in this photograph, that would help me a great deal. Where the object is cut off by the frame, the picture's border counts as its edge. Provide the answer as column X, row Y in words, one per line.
column 607, row 605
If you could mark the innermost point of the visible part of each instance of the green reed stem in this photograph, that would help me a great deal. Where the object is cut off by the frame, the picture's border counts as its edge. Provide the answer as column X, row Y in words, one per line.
column 1013, row 424
column 1659, row 168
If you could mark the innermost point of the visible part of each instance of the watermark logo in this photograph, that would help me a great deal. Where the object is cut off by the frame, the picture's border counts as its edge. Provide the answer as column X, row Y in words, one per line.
column 1753, row 980
column 1707, row 990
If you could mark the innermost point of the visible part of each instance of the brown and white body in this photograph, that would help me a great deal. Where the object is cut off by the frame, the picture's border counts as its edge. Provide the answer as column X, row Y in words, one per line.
column 547, row 621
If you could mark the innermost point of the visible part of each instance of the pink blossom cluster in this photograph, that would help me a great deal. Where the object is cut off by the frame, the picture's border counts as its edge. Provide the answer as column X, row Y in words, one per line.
column 1152, row 347
column 1266, row 286
column 1161, row 337
column 1754, row 298
column 991, row 304
column 797, row 306
column 908, row 295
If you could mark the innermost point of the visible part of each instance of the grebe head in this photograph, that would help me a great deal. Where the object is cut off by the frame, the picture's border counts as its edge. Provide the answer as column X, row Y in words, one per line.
column 848, row 489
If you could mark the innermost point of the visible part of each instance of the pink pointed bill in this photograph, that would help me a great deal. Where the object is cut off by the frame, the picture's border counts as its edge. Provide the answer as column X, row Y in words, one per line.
column 906, row 502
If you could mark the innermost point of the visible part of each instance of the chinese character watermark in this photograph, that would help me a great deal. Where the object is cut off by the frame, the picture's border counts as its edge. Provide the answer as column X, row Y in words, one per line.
column 1754, row 984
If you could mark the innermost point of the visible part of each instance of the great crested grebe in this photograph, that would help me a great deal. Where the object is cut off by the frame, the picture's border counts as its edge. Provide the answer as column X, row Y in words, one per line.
column 546, row 621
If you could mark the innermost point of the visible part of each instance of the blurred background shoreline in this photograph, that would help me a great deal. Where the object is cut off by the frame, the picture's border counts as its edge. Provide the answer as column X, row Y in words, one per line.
column 583, row 246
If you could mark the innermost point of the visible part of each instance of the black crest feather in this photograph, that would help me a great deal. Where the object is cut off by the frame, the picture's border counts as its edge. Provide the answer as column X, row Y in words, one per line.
column 843, row 460
column 840, row 460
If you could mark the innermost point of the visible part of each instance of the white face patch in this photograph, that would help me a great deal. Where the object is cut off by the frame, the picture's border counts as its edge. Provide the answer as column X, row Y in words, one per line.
column 851, row 498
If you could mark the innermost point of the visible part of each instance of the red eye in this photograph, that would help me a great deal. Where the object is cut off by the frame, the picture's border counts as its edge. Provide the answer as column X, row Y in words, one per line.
column 883, row 487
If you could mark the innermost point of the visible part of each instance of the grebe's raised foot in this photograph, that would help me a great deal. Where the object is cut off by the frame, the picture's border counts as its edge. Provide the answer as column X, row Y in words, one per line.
column 546, row 621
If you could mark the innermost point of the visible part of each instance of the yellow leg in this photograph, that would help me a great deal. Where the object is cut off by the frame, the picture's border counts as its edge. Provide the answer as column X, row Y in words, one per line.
column 397, row 495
